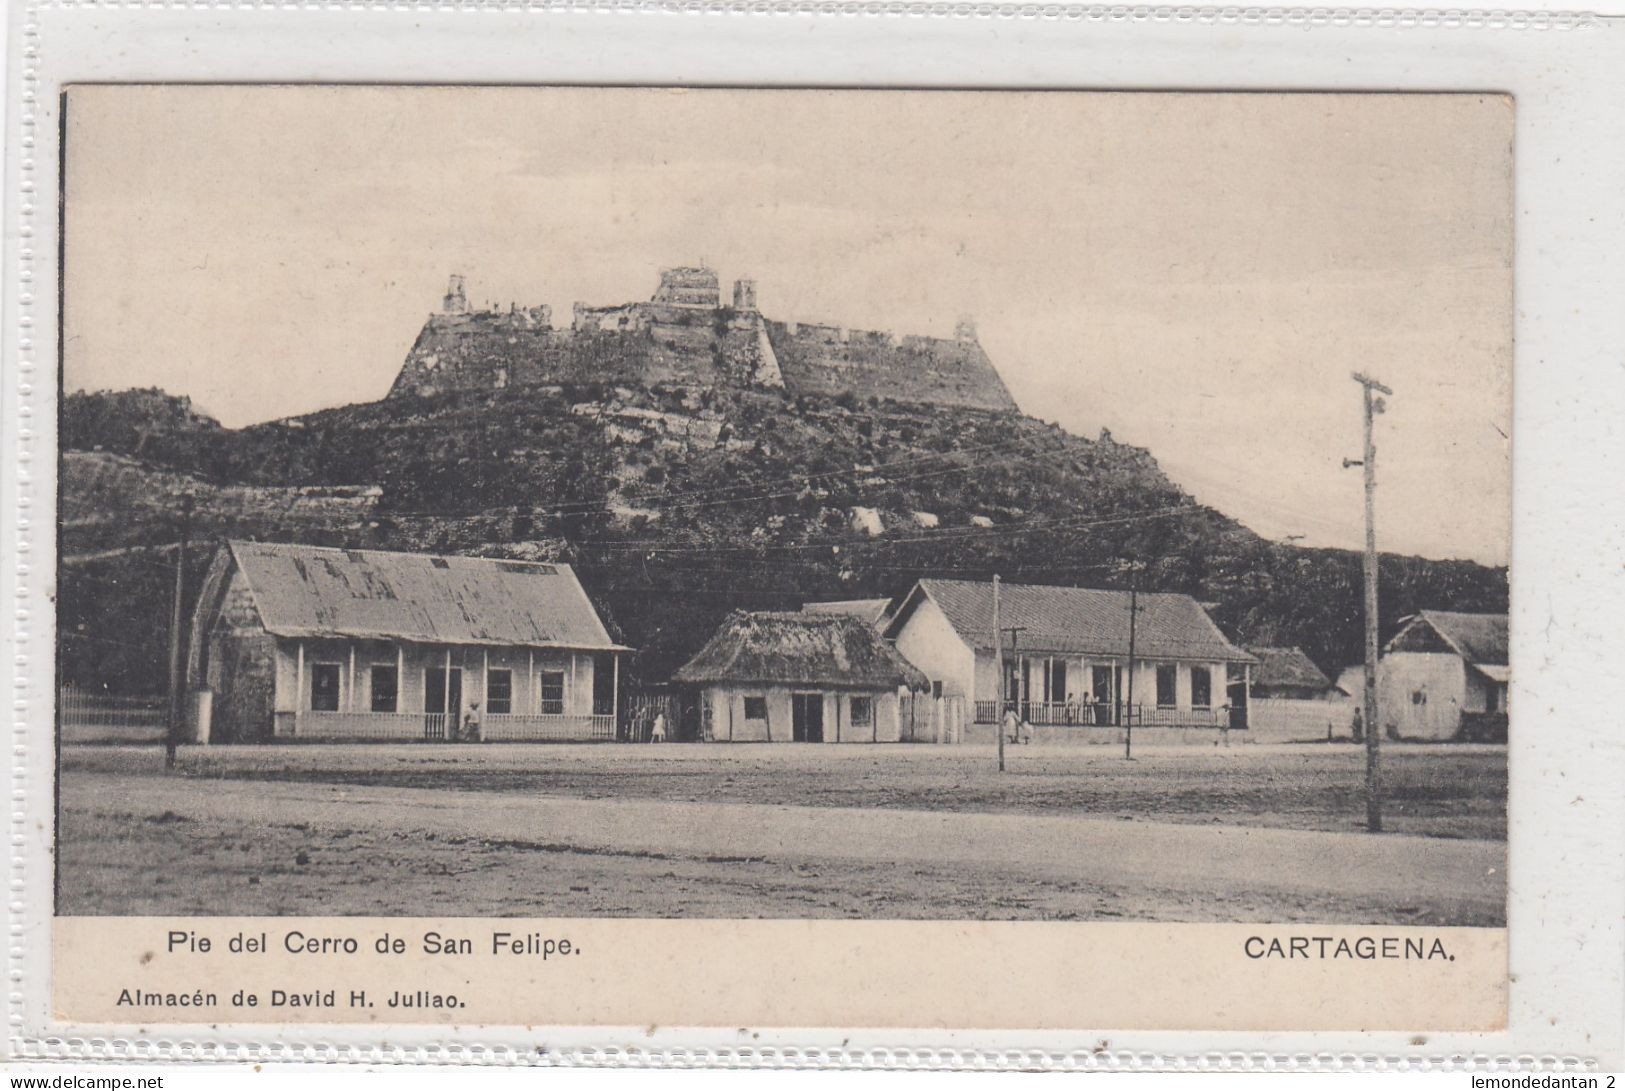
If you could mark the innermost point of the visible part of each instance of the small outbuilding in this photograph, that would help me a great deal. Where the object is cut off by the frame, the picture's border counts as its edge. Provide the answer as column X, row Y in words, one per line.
column 1443, row 674
column 770, row 676
column 1289, row 674
column 1292, row 700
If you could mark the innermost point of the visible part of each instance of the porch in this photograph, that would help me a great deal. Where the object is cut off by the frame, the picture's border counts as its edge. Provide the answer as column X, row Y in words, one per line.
column 315, row 725
column 378, row 691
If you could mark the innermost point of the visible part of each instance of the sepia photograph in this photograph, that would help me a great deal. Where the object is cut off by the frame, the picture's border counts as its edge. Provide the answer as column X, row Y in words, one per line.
column 784, row 504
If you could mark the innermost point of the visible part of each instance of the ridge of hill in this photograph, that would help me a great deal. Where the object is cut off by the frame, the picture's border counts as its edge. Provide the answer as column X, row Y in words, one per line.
column 679, row 503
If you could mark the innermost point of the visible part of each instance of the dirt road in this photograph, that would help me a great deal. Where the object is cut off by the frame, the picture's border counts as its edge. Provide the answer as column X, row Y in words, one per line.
column 630, row 847
column 1441, row 791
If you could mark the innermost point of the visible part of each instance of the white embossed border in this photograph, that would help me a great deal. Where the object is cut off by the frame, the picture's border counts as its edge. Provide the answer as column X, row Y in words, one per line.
column 1457, row 18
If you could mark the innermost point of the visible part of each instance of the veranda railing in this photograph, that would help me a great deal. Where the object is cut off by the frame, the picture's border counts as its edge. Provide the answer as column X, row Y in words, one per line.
column 1086, row 714
column 440, row 727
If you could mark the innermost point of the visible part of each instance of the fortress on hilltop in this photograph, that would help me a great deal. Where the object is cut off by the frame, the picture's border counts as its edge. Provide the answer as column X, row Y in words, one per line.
column 686, row 335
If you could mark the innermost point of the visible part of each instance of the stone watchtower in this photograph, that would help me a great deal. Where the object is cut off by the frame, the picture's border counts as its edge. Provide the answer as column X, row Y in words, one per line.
column 965, row 328
column 456, row 301
column 689, row 286
column 744, row 295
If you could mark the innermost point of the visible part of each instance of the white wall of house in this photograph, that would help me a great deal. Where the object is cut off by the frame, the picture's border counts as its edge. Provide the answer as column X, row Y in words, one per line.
column 931, row 643
column 411, row 661
column 729, row 723
column 1484, row 694
column 1293, row 719
column 1422, row 694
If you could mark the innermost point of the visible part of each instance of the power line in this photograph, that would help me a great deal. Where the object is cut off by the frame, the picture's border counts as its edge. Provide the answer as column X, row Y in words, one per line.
column 1038, row 525
column 681, row 500
column 808, row 478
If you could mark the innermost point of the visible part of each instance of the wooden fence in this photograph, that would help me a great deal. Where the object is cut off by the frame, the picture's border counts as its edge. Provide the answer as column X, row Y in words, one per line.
column 922, row 718
column 432, row 727
column 638, row 714
column 91, row 716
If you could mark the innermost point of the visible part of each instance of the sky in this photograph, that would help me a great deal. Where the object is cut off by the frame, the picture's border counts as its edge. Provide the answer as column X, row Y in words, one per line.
column 1199, row 273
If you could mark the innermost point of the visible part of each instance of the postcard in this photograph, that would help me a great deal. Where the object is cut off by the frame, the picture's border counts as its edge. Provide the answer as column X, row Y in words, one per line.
column 736, row 557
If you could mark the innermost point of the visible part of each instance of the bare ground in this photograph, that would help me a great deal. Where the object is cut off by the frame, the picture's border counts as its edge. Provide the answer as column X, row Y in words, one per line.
column 1436, row 791
column 705, row 832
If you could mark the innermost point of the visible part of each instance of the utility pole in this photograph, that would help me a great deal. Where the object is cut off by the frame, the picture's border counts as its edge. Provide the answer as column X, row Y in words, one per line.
column 1126, row 704
column 1373, row 405
column 1128, row 709
column 998, row 672
column 177, row 711
column 1015, row 663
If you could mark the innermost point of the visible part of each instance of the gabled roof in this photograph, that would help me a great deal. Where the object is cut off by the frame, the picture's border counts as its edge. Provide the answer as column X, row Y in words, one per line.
column 871, row 610
column 800, row 649
column 1480, row 639
column 367, row 594
column 1287, row 667
column 1075, row 620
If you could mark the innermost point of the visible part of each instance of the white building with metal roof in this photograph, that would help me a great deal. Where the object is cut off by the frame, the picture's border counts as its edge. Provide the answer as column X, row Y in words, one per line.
column 307, row 642
column 1081, row 656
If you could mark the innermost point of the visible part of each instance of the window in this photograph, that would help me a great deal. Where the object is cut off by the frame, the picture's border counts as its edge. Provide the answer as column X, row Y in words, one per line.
column 385, row 689
column 1167, row 674
column 324, row 687
column 863, row 711
column 552, row 693
column 1201, row 688
column 499, row 691
column 755, row 708
column 526, row 568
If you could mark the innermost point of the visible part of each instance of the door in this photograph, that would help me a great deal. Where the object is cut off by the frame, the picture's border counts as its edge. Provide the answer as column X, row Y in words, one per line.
column 437, row 701
column 1238, row 705
column 1103, row 687
column 807, row 717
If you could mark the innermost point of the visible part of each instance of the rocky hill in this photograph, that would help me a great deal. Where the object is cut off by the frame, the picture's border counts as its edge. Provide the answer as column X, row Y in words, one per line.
column 678, row 503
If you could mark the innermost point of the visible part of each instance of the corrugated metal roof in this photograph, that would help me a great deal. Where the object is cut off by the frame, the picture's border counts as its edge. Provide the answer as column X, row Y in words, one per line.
column 800, row 649
column 1078, row 620
column 365, row 594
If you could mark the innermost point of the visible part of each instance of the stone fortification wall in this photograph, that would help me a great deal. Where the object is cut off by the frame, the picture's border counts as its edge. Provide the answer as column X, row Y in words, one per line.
column 641, row 343
column 684, row 335
column 830, row 360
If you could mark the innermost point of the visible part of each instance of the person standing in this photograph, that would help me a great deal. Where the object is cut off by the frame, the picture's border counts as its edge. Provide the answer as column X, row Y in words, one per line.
column 1011, row 725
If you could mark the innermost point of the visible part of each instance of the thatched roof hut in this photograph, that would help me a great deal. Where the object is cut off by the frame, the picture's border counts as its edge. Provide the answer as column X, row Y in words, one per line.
column 800, row 649
column 1288, row 672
